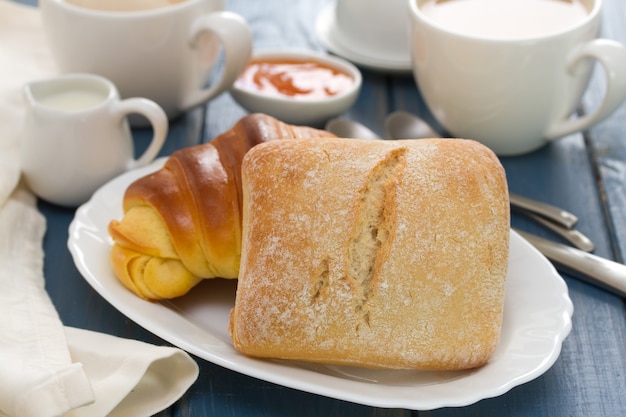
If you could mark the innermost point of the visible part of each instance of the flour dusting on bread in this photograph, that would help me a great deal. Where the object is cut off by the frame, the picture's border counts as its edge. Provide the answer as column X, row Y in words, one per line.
column 372, row 253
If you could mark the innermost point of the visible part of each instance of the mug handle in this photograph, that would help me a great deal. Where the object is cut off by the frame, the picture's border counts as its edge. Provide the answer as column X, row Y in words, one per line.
column 235, row 37
column 612, row 56
column 158, row 119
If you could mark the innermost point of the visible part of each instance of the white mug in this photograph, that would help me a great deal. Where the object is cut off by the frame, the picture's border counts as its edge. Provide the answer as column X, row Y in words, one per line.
column 76, row 136
column 163, row 50
column 514, row 93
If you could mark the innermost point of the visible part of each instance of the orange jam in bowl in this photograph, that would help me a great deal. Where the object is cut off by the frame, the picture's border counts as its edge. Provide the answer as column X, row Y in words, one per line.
column 297, row 87
column 294, row 78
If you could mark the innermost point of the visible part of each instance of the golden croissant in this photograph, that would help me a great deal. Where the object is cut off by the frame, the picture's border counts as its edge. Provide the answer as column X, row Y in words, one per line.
column 182, row 223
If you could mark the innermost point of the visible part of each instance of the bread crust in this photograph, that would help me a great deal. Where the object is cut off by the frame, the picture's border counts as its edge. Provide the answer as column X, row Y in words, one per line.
column 372, row 253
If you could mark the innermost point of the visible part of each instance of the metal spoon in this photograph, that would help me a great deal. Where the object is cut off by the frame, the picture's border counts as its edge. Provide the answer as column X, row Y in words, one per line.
column 404, row 125
column 345, row 128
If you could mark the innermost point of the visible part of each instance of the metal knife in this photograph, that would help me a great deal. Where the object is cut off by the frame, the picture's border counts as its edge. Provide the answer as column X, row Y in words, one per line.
column 590, row 268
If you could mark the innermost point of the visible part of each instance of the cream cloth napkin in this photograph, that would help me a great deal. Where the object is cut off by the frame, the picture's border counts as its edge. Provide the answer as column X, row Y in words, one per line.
column 47, row 369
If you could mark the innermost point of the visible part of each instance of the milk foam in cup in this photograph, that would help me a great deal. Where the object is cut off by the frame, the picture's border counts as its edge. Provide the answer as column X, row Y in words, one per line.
column 510, row 73
column 163, row 50
column 76, row 136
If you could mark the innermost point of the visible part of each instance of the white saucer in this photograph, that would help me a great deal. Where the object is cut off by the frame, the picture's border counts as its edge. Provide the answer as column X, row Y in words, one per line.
column 331, row 39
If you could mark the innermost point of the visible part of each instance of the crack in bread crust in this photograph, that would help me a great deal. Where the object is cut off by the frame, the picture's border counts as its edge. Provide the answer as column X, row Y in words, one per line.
column 321, row 280
column 369, row 242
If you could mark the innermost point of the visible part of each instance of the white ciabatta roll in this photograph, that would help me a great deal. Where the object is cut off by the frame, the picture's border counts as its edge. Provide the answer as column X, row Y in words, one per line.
column 382, row 254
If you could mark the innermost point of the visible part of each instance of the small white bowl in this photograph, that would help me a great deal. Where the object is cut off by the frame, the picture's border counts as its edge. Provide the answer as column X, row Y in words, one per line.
column 300, row 110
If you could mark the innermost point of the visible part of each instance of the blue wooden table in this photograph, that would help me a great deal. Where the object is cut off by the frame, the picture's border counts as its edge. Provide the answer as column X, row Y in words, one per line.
column 583, row 173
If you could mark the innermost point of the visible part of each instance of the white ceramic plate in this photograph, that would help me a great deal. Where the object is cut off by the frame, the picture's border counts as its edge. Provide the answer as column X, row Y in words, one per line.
column 537, row 318
column 327, row 34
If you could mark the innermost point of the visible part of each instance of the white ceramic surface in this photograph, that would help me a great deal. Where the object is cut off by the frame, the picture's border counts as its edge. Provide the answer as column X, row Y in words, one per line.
column 514, row 95
column 537, row 318
column 164, row 54
column 300, row 111
column 70, row 150
column 387, row 53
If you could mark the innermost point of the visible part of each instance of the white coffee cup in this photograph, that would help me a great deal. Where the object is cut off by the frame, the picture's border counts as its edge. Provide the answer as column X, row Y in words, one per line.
column 76, row 136
column 163, row 50
column 514, row 92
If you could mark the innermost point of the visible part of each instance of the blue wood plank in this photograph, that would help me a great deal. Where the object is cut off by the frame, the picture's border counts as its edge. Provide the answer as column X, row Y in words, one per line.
column 608, row 139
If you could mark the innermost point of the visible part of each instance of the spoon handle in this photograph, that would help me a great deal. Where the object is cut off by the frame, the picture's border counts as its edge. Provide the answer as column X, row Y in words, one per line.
column 555, row 214
column 590, row 268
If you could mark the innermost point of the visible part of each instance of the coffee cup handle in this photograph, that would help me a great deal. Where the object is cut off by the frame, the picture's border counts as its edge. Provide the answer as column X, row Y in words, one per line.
column 157, row 118
column 612, row 56
column 235, row 36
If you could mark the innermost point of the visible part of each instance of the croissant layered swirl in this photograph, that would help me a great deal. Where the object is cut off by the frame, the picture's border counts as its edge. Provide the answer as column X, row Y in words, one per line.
column 182, row 223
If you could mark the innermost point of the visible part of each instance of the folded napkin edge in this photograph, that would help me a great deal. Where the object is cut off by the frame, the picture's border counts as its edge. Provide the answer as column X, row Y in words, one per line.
column 65, row 390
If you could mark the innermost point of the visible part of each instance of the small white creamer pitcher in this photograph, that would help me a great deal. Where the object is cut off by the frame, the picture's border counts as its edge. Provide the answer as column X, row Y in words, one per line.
column 76, row 136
